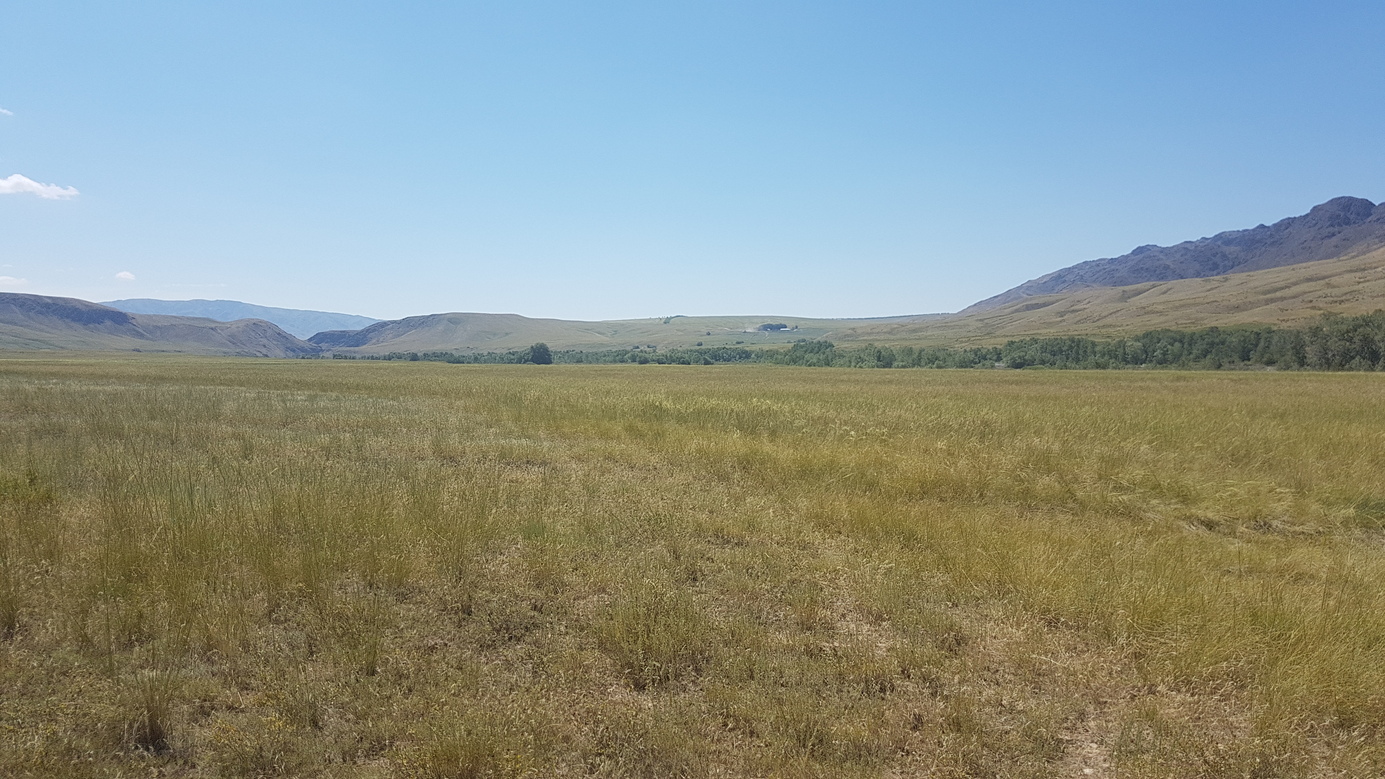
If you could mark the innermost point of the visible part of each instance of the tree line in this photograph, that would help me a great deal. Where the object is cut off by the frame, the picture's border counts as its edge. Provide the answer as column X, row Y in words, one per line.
column 1330, row 343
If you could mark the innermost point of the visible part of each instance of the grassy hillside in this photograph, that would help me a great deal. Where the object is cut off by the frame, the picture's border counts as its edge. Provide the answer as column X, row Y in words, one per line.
column 1288, row 296
column 347, row 569
column 463, row 332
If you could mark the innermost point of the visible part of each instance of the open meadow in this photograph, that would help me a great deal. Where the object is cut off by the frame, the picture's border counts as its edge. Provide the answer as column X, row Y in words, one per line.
column 238, row 567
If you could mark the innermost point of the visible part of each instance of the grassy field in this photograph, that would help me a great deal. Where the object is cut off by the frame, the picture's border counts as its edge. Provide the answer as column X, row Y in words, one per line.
column 220, row 567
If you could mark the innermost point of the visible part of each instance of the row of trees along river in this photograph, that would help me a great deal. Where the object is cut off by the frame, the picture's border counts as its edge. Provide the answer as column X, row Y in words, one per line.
column 1331, row 343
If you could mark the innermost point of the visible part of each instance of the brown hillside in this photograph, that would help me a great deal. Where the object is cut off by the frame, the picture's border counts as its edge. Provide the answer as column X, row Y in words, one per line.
column 1288, row 295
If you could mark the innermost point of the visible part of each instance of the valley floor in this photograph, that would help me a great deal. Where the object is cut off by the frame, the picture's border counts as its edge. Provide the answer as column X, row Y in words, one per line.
column 224, row 567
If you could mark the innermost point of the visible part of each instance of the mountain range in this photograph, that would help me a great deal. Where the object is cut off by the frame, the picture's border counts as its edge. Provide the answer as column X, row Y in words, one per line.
column 1331, row 259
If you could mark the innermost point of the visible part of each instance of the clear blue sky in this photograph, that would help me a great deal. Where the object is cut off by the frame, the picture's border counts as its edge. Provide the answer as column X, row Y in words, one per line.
column 610, row 160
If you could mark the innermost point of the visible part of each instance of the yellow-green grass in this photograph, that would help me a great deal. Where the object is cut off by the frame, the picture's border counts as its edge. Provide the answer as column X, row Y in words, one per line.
column 238, row 567
column 1291, row 296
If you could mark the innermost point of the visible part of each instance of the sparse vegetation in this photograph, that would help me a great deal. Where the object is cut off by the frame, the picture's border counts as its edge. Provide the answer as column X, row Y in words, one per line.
column 322, row 568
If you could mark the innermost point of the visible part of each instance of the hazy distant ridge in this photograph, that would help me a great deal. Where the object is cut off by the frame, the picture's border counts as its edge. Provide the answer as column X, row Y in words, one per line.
column 1341, row 227
column 298, row 322
column 41, row 322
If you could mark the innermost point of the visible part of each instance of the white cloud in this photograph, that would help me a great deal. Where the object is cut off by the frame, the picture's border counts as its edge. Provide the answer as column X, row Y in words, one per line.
column 17, row 184
column 3, row 112
column 125, row 276
column 10, row 282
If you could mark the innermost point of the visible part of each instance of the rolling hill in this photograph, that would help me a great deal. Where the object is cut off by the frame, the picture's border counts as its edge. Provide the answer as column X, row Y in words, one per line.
column 1341, row 227
column 296, row 322
column 41, row 322
column 466, row 332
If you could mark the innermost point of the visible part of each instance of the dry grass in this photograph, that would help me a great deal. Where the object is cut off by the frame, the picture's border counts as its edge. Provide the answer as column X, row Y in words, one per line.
column 254, row 568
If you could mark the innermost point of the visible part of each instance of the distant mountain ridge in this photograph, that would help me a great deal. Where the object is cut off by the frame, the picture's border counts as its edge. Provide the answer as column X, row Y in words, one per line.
column 1341, row 227
column 42, row 322
column 300, row 323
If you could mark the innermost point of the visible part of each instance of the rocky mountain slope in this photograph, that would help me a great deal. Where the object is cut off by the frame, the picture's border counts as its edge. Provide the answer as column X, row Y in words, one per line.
column 1341, row 227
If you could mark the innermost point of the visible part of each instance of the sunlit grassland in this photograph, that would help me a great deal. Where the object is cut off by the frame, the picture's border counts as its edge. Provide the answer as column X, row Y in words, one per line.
column 250, row 567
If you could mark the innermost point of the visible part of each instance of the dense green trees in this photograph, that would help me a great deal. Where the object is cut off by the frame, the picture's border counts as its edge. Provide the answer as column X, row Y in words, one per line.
column 540, row 354
column 1333, row 343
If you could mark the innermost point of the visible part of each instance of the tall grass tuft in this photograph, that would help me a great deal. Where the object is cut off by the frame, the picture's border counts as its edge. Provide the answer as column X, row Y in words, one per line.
column 655, row 635
column 150, row 700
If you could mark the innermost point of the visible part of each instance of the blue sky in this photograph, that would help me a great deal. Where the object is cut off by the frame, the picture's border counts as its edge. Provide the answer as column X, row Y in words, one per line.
column 618, row 160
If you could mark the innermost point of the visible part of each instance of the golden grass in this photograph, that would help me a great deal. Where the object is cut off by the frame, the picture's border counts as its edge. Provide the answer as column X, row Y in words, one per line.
column 253, row 568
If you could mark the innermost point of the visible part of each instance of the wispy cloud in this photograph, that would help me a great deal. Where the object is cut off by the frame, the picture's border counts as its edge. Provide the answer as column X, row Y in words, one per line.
column 10, row 282
column 125, row 276
column 17, row 184
column 4, row 112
